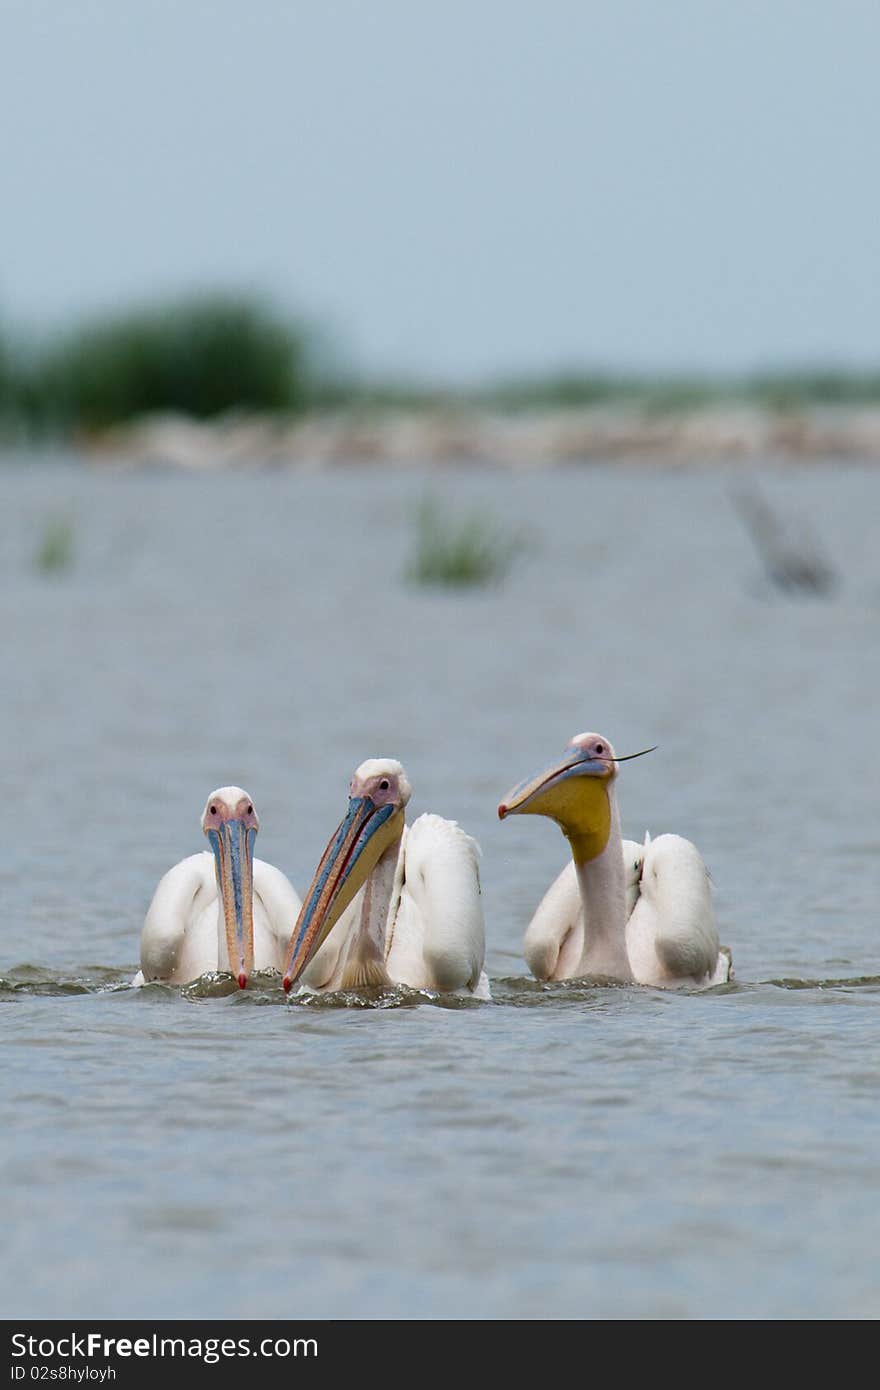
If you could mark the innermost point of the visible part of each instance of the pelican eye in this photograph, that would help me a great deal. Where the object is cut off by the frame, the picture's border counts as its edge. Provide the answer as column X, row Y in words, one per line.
column 384, row 784
column 250, row 810
column 213, row 810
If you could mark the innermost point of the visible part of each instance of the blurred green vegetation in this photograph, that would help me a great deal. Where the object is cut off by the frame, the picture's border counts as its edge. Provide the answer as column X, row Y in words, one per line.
column 773, row 390
column 55, row 550
column 463, row 551
column 785, row 390
column 200, row 356
column 207, row 354
column 788, row 390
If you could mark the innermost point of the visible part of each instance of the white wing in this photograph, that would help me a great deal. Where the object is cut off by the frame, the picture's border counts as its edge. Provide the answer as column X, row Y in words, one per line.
column 554, row 941
column 179, row 937
column 437, row 938
column 671, row 937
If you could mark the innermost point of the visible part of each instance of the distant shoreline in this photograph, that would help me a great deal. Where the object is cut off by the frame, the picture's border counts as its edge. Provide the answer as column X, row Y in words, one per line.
column 221, row 379
column 516, row 440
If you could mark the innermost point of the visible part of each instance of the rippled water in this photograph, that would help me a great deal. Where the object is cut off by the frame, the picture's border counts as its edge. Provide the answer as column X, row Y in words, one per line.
column 564, row 1151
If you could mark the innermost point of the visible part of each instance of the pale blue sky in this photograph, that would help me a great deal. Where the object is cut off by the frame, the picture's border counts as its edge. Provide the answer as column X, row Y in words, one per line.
column 458, row 188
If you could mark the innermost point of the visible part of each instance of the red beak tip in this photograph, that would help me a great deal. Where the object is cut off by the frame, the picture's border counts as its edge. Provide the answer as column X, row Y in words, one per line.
column 242, row 981
column 502, row 811
column 287, row 983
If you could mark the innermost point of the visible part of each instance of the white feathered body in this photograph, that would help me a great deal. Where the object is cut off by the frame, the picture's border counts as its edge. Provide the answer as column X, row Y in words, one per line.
column 670, row 933
column 183, row 935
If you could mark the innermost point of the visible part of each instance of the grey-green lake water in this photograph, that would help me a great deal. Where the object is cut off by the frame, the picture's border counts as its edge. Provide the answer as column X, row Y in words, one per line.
column 566, row 1151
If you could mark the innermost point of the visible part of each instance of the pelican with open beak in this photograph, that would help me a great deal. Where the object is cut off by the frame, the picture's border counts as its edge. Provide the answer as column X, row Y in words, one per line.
column 630, row 912
column 391, row 904
column 221, row 910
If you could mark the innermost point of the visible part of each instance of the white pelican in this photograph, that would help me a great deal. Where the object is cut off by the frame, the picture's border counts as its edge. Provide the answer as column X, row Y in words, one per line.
column 419, row 919
column 221, row 909
column 643, row 913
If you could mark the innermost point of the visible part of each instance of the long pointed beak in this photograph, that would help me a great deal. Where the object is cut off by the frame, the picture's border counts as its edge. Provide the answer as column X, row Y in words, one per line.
column 354, row 850
column 233, row 847
column 525, row 799
column 574, row 793
column 531, row 796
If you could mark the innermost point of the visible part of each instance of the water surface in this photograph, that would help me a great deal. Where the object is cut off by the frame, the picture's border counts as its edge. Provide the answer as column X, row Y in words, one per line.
column 564, row 1151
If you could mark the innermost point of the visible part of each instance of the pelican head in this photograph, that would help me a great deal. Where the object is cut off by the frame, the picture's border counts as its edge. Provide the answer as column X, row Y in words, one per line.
column 575, row 791
column 378, row 796
column 231, row 824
